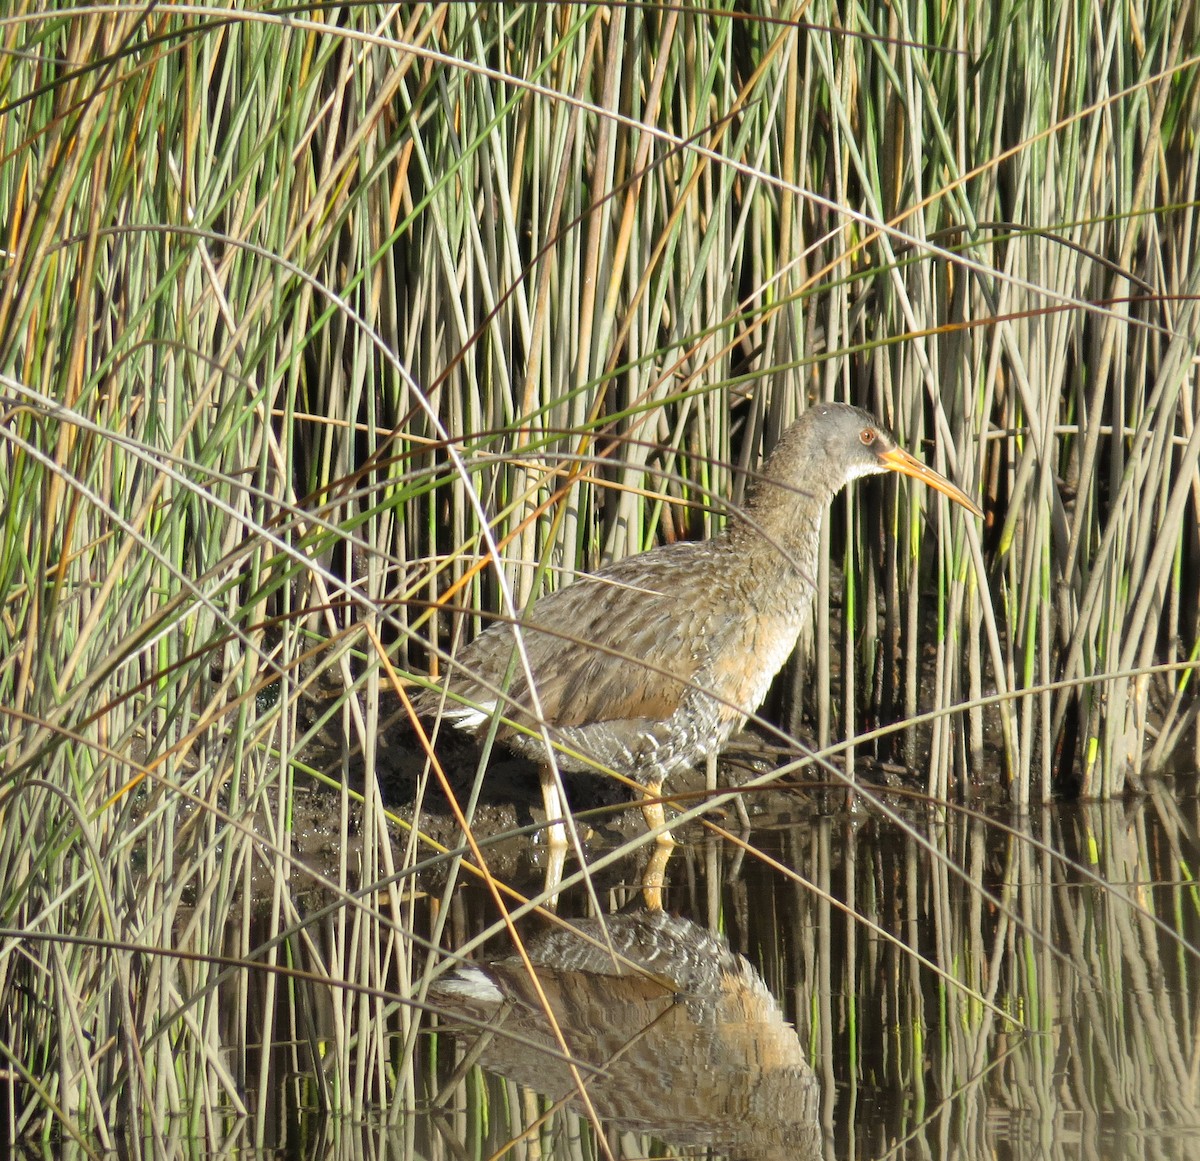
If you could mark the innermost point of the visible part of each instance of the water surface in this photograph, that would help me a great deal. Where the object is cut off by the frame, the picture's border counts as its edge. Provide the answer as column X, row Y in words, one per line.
column 960, row 987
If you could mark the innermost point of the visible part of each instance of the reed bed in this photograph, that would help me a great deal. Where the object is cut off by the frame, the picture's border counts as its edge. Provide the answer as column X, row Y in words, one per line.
column 326, row 335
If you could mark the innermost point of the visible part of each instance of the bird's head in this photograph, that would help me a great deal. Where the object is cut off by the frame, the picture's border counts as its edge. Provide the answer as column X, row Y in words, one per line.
column 833, row 443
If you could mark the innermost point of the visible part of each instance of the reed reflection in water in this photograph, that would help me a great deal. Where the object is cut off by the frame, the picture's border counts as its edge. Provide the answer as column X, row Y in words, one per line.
column 962, row 987
column 958, row 987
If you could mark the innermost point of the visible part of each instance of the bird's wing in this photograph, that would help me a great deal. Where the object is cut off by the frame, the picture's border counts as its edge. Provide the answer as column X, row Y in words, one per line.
column 617, row 645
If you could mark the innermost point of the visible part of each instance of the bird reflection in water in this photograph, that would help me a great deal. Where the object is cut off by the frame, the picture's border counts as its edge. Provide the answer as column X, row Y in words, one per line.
column 676, row 1036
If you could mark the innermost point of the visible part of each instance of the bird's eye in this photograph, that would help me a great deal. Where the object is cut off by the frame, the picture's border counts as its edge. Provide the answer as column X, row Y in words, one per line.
column 867, row 436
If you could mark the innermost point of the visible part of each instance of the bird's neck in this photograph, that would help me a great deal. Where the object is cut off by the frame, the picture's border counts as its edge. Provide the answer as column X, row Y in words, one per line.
column 781, row 537
column 780, row 525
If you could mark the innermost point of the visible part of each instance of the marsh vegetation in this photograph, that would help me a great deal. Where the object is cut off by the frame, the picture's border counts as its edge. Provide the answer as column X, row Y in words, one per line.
column 327, row 336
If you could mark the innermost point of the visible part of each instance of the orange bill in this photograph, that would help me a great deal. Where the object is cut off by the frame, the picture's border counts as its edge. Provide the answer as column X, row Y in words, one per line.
column 898, row 460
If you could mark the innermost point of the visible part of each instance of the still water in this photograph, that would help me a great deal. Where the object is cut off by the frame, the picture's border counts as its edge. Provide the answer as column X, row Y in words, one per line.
column 941, row 985
column 840, row 985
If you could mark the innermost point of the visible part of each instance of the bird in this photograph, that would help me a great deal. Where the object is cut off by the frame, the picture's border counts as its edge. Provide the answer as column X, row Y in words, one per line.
column 648, row 665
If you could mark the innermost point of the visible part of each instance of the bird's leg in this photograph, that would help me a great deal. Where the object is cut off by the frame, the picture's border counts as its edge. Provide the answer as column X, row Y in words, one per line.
column 556, row 836
column 556, row 860
column 655, row 875
column 556, row 831
column 653, row 813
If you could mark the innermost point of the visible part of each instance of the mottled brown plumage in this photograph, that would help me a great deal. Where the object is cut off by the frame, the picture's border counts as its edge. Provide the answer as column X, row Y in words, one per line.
column 651, row 663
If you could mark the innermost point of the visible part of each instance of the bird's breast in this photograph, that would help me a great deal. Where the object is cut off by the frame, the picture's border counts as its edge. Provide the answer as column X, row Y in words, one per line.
column 743, row 675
